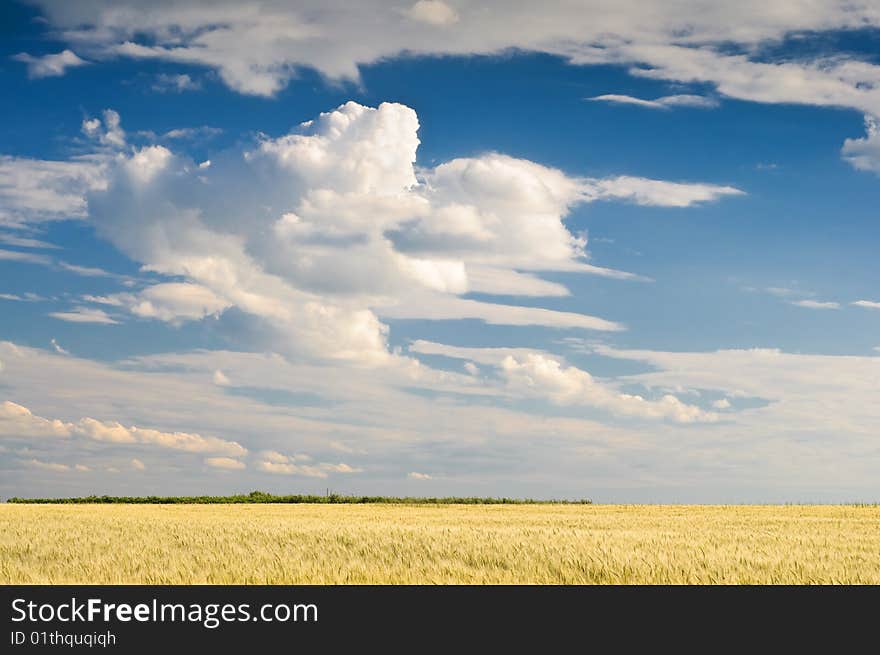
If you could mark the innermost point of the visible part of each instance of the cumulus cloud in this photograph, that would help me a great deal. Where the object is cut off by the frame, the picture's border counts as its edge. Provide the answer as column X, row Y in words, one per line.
column 225, row 463
column 433, row 12
column 108, row 132
column 278, row 463
column 664, row 102
column 327, row 228
column 864, row 153
column 828, row 397
column 544, row 376
column 193, row 443
column 174, row 302
column 533, row 373
column 800, row 421
column 415, row 475
column 51, row 65
column 868, row 304
column 49, row 466
column 17, row 421
column 321, row 231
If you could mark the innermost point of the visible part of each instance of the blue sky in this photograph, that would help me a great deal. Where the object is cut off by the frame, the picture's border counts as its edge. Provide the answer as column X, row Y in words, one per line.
column 628, row 254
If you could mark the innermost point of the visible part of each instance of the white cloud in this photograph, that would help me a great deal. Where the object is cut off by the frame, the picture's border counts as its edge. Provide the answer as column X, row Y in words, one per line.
column 48, row 466
column 533, row 373
column 326, row 228
column 257, row 48
column 85, row 315
column 52, row 65
column 536, row 374
column 815, row 304
column 27, row 296
column 803, row 419
column 57, row 347
column 415, row 475
column 36, row 190
column 721, row 403
column 864, row 154
column 351, row 149
column 868, row 304
column 177, row 83
column 25, row 242
column 823, row 398
column 278, row 463
column 664, row 102
column 203, row 131
column 446, row 308
column 88, row 271
column 173, row 302
column 225, row 463
column 320, row 231
column 26, row 257
column 433, row 12
column 657, row 193
column 17, row 421
column 282, row 468
column 275, row 457
column 146, row 163
column 137, row 465
column 109, row 132
column 341, row 467
column 220, row 378
column 192, row 443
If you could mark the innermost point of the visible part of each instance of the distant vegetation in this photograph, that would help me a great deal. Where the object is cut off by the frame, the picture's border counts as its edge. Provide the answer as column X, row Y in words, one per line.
column 262, row 497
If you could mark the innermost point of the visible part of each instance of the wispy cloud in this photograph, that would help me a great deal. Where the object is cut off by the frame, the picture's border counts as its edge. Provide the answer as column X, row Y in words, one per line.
column 85, row 315
column 51, row 65
column 664, row 102
column 816, row 304
column 176, row 83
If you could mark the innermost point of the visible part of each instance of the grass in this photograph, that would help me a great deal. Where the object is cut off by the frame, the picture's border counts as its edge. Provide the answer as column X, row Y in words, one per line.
column 387, row 543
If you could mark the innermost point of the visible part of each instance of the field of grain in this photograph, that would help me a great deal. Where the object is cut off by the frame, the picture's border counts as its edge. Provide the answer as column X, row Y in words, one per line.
column 355, row 544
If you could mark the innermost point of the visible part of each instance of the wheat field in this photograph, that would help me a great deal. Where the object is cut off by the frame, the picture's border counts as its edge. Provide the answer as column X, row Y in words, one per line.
column 393, row 544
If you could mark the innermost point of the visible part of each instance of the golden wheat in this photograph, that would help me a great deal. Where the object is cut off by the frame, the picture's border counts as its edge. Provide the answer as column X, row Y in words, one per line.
column 359, row 544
